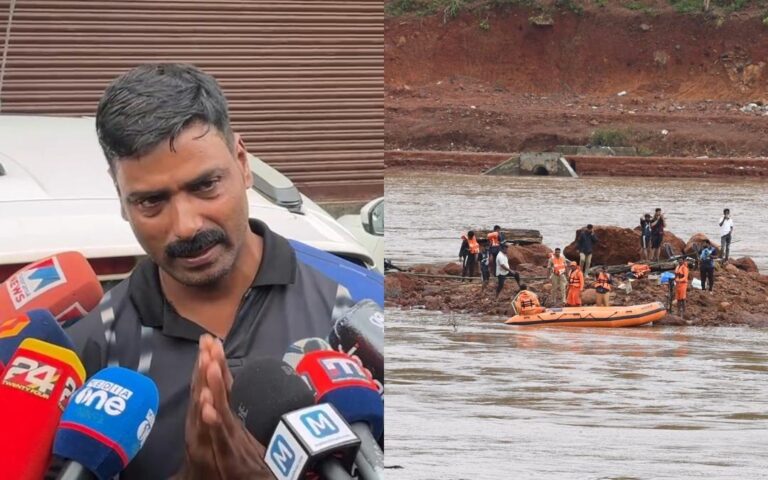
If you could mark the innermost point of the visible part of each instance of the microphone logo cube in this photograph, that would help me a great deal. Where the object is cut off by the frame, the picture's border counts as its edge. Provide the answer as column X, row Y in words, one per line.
column 282, row 454
column 13, row 326
column 319, row 424
column 34, row 281
column 285, row 456
column 340, row 369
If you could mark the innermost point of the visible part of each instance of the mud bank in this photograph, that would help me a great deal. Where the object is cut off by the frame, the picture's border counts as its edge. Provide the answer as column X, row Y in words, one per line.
column 740, row 296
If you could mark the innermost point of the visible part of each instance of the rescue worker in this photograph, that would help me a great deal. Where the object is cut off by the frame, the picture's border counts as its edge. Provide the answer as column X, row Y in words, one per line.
column 681, row 285
column 503, row 269
column 585, row 243
column 575, row 285
column 463, row 254
column 707, row 265
column 556, row 267
column 526, row 302
column 495, row 239
column 603, row 285
column 473, row 248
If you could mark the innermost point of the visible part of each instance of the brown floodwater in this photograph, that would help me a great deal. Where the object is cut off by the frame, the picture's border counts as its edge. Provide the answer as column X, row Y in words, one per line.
column 427, row 213
column 471, row 398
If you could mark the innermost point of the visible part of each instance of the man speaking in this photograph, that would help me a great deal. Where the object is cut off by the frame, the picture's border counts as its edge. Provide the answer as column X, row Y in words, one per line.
column 182, row 175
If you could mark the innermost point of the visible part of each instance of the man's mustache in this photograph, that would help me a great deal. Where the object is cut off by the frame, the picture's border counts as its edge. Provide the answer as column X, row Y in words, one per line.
column 200, row 242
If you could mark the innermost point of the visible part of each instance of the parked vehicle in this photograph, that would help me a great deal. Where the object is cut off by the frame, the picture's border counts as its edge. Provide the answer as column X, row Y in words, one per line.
column 368, row 229
column 56, row 195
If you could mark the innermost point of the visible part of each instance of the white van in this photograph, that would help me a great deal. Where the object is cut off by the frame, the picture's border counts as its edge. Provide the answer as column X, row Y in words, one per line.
column 56, row 195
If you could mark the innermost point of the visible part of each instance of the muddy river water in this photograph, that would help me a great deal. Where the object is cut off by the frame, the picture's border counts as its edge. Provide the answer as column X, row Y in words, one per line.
column 470, row 398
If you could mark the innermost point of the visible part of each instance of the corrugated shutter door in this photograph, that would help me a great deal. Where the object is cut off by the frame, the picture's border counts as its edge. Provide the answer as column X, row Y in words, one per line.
column 305, row 79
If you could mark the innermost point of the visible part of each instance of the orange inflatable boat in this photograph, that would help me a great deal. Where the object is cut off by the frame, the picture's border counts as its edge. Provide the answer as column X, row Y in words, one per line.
column 610, row 317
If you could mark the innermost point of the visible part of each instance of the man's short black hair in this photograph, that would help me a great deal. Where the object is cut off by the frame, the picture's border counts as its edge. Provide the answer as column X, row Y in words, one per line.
column 658, row 210
column 153, row 103
column 523, row 287
column 589, row 227
column 727, row 210
column 496, row 227
column 557, row 249
column 471, row 234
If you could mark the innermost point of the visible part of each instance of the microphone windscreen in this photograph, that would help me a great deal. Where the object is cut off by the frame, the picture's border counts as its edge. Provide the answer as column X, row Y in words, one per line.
column 263, row 391
column 64, row 283
column 299, row 348
column 37, row 384
column 39, row 324
column 362, row 329
column 107, row 421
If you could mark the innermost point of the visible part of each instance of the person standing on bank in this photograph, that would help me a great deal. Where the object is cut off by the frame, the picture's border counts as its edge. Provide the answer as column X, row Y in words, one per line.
column 482, row 259
column 503, row 269
column 657, row 233
column 585, row 244
column 645, row 236
column 463, row 253
column 495, row 239
column 575, row 285
column 556, row 268
column 473, row 248
column 182, row 176
column 707, row 265
column 681, row 285
column 726, row 230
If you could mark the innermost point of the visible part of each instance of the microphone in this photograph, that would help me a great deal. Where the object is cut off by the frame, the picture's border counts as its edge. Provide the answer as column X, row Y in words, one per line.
column 38, row 324
column 340, row 381
column 37, row 384
column 262, row 392
column 299, row 348
column 360, row 332
column 106, row 424
column 63, row 283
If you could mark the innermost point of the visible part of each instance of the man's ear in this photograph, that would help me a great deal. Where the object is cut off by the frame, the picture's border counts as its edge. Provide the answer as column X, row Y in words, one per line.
column 241, row 155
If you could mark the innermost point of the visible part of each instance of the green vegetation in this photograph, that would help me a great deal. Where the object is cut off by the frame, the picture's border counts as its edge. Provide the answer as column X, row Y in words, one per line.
column 599, row 3
column 639, row 7
column 609, row 138
column 570, row 5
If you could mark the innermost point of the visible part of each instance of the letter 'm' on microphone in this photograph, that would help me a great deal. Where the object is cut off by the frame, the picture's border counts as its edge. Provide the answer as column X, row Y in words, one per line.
column 39, row 324
column 339, row 380
column 37, row 384
column 107, row 421
column 304, row 437
column 64, row 283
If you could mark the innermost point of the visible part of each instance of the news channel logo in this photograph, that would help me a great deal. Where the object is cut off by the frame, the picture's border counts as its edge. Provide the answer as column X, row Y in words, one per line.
column 340, row 369
column 282, row 455
column 319, row 424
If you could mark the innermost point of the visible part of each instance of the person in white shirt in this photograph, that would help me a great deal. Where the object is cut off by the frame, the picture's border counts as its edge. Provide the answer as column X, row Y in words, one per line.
column 502, row 269
column 726, row 229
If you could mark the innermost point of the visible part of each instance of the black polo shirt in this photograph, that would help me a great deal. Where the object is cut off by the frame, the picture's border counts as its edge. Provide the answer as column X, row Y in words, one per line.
column 136, row 327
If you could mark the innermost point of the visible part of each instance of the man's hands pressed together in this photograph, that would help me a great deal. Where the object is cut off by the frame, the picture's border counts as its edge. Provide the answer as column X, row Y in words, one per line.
column 217, row 444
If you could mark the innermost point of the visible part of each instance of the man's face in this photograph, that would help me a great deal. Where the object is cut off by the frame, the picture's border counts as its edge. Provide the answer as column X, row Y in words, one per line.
column 188, row 207
column 557, row 253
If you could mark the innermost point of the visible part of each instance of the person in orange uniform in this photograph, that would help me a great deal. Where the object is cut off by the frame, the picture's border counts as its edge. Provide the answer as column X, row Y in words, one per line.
column 556, row 269
column 681, row 285
column 526, row 302
column 473, row 248
column 494, row 245
column 575, row 285
column 603, row 288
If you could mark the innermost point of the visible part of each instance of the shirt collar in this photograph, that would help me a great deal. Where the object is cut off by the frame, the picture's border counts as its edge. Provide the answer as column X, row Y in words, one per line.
column 278, row 267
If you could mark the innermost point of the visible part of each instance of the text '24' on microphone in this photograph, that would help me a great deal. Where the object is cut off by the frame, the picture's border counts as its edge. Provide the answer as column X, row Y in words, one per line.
column 36, row 386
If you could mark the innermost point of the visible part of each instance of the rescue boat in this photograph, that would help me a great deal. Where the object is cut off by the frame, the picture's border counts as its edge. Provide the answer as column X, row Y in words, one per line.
column 607, row 317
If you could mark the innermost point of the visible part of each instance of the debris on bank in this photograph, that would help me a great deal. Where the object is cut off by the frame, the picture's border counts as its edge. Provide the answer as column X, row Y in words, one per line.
column 740, row 295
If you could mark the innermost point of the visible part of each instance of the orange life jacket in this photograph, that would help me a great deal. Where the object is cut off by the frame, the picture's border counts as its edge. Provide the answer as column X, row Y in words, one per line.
column 681, row 273
column 558, row 264
column 640, row 269
column 603, row 281
column 474, row 247
column 576, row 278
column 493, row 237
column 528, row 300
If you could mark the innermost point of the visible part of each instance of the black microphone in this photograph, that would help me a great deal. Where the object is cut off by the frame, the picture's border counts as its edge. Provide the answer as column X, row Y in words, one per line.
column 277, row 408
column 360, row 332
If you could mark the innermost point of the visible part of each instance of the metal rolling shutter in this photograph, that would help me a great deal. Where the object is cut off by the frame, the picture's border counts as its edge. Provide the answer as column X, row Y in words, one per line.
column 304, row 78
